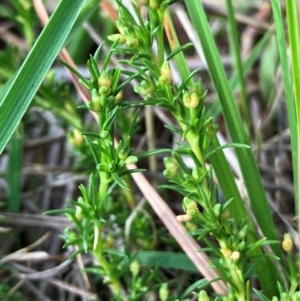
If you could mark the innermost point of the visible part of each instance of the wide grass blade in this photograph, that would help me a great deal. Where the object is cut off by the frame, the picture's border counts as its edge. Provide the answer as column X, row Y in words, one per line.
column 33, row 70
column 234, row 123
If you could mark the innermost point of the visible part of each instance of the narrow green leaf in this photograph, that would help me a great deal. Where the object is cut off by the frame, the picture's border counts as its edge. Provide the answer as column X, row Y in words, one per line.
column 33, row 70
column 166, row 259
column 14, row 170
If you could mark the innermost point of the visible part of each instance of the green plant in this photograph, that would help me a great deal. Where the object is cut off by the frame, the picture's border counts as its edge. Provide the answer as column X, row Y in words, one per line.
column 237, row 251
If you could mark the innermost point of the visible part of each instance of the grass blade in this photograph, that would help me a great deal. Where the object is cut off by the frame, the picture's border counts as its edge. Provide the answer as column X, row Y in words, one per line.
column 33, row 70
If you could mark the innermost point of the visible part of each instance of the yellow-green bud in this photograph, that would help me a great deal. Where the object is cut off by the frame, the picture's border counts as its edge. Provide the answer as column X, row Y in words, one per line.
column 196, row 173
column 104, row 79
column 94, row 106
column 170, row 163
column 132, row 43
column 170, row 172
column 102, row 167
column 145, row 88
column 243, row 232
column 118, row 97
column 131, row 160
column 166, row 73
column 194, row 101
column 189, row 205
column 163, row 292
column 241, row 246
column 225, row 215
column 114, row 37
column 287, row 243
column 233, row 241
column 134, row 267
column 275, row 298
column 77, row 138
column 217, row 210
column 154, row 4
column 211, row 130
column 104, row 91
column 186, row 98
column 226, row 252
column 202, row 296
column 198, row 88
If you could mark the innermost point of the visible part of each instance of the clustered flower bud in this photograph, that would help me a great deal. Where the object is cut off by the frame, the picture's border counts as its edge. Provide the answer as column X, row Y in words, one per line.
column 145, row 88
column 165, row 73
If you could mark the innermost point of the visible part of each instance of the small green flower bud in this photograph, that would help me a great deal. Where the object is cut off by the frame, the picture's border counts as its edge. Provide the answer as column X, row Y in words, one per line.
column 123, row 154
column 121, row 26
column 186, row 98
column 234, row 242
column 188, row 205
column 170, row 163
column 287, row 243
column 243, row 232
column 154, row 4
column 118, row 97
column 233, row 228
column 217, row 209
column 226, row 252
column 194, row 101
column 102, row 167
column 275, row 298
column 211, row 130
column 193, row 212
column 198, row 88
column 145, row 88
column 134, row 267
column 131, row 160
column 170, row 173
column 163, row 292
column 104, row 134
column 106, row 137
column 225, row 215
column 132, row 43
column 241, row 246
column 94, row 106
column 96, row 96
column 76, row 138
column 105, row 79
column 197, row 173
column 111, row 166
column 166, row 73
column 164, row 80
column 115, row 37
column 104, row 91
column 202, row 296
